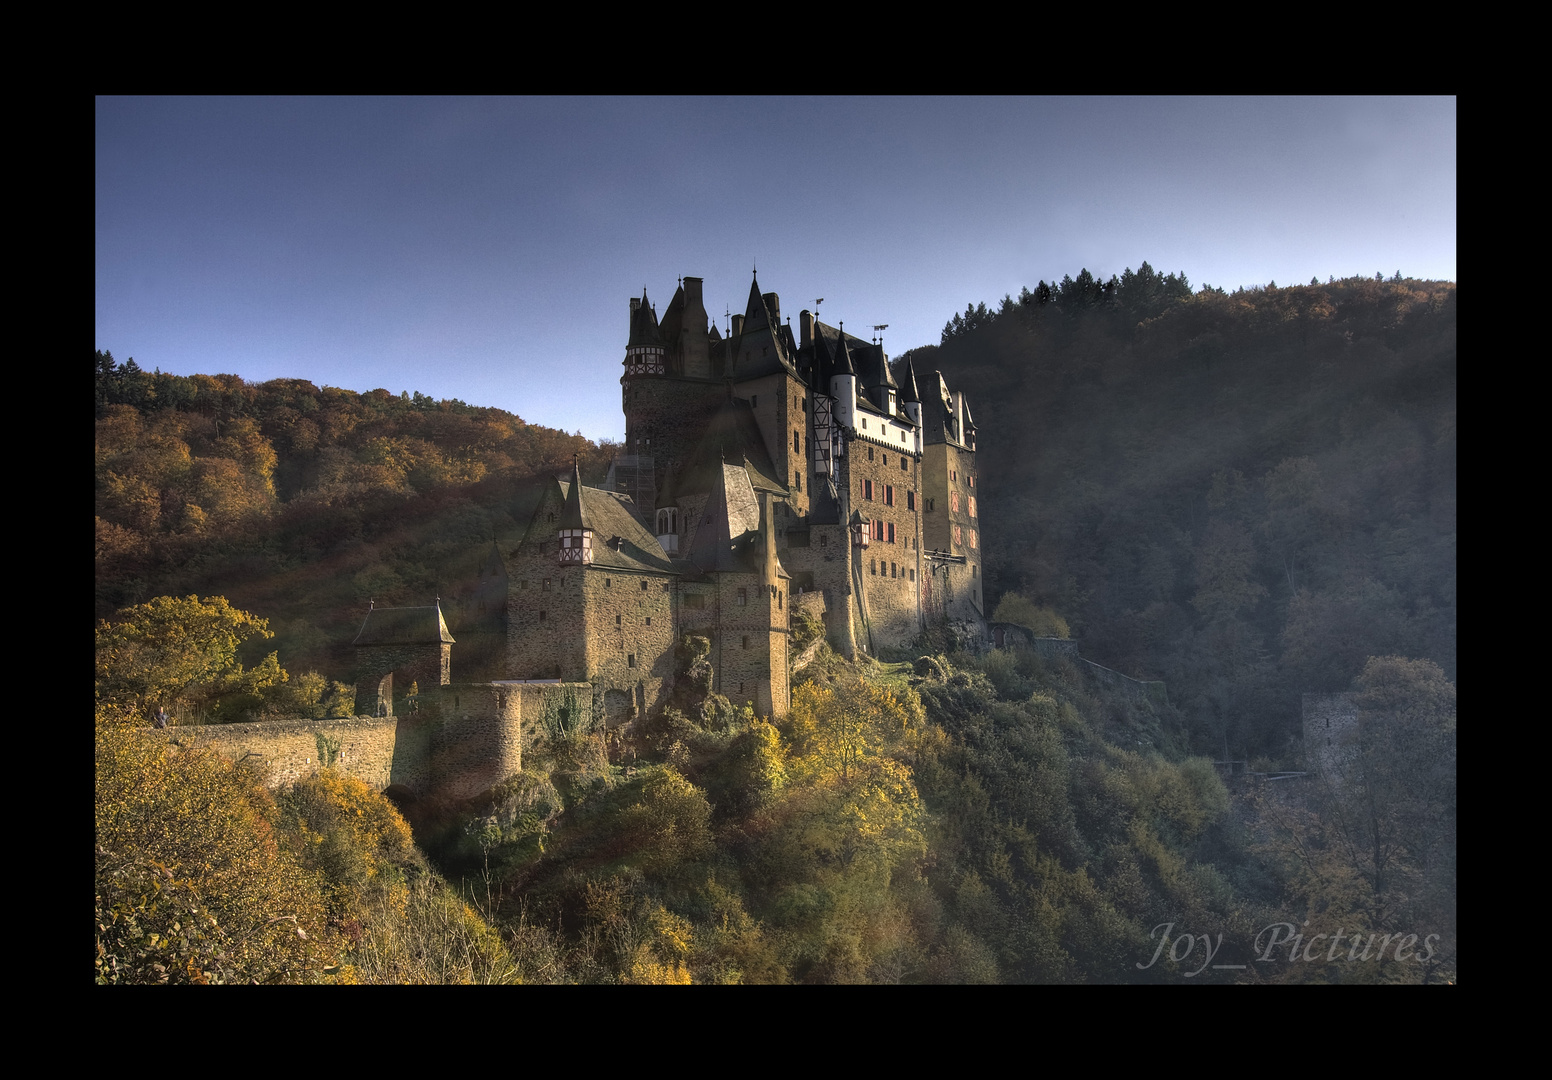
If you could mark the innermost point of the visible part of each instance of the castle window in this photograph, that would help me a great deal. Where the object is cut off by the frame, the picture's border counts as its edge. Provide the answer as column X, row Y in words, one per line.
column 743, row 597
column 797, row 442
column 975, row 538
column 780, row 600
column 893, row 572
column 891, row 529
column 864, row 428
column 746, row 641
column 972, row 480
column 959, row 536
column 643, row 586
column 886, row 459
column 972, row 506
column 870, row 449
column 873, row 567
column 541, row 616
column 649, row 620
column 913, row 575
column 797, row 480
column 546, row 585
column 929, row 505
column 694, row 600
column 824, row 539
column 910, row 500
column 607, row 583
column 889, row 494
column 616, row 620
column 953, row 501
column 953, row 475
column 867, row 490
column 630, row 660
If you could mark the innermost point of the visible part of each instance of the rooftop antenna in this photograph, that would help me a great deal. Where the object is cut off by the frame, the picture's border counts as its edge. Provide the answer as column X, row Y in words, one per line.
column 879, row 329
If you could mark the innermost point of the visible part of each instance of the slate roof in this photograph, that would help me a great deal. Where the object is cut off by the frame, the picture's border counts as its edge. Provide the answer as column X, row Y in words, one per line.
column 404, row 626
column 621, row 541
column 732, row 435
column 644, row 329
column 728, row 536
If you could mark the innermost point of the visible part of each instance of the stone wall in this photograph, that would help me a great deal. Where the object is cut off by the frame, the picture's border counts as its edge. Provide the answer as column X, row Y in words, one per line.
column 461, row 740
column 287, row 750
column 427, row 665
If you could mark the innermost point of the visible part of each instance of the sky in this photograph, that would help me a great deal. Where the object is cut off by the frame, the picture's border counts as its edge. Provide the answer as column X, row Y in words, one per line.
column 486, row 249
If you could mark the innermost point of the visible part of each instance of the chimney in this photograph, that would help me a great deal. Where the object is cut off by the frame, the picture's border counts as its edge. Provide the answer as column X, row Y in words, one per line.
column 773, row 305
column 738, row 325
column 635, row 304
column 805, row 328
column 692, row 292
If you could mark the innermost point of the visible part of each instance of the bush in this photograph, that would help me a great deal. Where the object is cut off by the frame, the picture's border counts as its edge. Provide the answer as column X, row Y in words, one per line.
column 192, row 882
column 1040, row 621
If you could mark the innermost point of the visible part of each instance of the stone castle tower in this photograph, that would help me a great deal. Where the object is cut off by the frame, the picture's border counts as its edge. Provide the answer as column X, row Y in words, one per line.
column 760, row 471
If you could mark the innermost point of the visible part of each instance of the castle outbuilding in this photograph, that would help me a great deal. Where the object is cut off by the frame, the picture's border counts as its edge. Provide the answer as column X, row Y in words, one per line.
column 761, row 470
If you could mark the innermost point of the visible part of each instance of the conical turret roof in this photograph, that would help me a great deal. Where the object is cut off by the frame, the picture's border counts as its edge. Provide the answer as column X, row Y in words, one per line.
column 644, row 329
column 571, row 513
column 908, row 391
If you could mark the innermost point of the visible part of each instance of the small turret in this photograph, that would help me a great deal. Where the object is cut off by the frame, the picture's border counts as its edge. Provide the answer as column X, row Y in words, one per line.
column 843, row 383
column 910, row 397
column 645, row 352
column 576, row 539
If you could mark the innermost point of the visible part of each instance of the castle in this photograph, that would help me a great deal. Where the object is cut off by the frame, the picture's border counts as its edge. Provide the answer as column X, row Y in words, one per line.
column 763, row 472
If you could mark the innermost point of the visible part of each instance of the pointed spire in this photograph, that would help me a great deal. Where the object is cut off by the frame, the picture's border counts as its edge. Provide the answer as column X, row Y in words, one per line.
column 843, row 365
column 643, row 327
column 909, row 393
column 571, row 514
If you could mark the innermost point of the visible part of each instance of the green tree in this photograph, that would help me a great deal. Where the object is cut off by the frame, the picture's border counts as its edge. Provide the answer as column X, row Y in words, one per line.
column 179, row 649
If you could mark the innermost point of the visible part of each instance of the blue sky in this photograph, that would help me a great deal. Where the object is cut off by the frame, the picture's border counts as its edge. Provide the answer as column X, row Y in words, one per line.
column 486, row 249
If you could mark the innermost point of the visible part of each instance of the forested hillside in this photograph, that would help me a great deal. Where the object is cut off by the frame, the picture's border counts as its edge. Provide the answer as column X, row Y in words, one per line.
column 1250, row 496
column 1246, row 495
column 305, row 503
